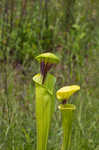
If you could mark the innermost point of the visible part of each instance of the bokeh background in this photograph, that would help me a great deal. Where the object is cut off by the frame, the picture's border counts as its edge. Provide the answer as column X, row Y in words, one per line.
column 68, row 28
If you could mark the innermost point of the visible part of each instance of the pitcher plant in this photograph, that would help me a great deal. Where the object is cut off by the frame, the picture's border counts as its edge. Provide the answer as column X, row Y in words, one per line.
column 67, row 112
column 45, row 98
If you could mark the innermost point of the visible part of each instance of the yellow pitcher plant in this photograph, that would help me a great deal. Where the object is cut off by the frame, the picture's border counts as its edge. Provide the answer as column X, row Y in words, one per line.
column 67, row 111
column 45, row 97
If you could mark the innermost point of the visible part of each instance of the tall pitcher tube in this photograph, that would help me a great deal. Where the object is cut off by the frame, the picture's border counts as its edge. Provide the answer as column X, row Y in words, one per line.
column 44, row 108
column 67, row 112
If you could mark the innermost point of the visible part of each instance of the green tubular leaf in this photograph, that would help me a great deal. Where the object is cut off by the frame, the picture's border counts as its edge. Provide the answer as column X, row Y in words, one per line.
column 48, row 58
column 48, row 84
column 45, row 102
column 67, row 111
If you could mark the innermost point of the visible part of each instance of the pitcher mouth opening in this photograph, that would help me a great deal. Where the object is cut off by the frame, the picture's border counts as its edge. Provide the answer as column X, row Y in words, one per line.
column 64, row 102
column 67, row 107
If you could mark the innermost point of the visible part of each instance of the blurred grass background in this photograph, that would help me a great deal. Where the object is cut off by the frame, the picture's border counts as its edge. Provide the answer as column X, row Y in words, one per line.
column 70, row 30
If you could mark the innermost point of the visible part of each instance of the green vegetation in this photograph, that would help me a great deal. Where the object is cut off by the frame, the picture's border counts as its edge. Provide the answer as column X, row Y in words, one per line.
column 70, row 30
